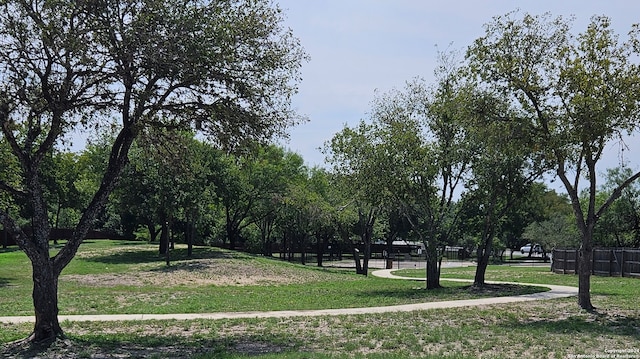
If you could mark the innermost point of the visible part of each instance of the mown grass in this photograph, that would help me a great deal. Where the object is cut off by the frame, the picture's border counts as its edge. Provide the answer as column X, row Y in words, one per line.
column 328, row 288
column 616, row 292
column 550, row 329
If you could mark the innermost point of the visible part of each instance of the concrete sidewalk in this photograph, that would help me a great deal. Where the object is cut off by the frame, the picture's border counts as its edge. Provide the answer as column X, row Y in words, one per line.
column 555, row 292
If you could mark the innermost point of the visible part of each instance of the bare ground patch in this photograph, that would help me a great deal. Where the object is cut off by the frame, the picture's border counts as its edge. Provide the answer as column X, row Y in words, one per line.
column 227, row 272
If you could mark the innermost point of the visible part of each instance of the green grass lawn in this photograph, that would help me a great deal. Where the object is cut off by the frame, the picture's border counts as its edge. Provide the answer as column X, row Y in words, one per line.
column 112, row 277
column 618, row 292
column 127, row 282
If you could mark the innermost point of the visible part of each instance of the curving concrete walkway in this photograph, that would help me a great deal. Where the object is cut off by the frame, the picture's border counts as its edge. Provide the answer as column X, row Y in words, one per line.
column 556, row 291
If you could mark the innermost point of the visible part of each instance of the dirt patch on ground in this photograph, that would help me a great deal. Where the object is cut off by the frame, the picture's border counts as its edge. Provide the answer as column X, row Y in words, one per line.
column 234, row 272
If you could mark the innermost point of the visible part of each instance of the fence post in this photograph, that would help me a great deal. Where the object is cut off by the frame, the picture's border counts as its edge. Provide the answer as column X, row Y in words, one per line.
column 622, row 264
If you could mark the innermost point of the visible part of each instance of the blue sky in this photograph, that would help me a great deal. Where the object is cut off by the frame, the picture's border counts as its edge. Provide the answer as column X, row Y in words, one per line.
column 360, row 46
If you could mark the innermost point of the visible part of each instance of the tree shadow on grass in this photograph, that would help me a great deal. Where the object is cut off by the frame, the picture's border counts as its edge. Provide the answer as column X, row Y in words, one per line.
column 10, row 249
column 127, row 257
column 153, row 346
column 152, row 256
column 455, row 293
column 592, row 325
column 4, row 282
column 411, row 293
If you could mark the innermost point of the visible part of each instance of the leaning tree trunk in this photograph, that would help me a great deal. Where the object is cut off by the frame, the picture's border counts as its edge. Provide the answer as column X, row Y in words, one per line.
column 481, row 270
column 484, row 253
column 486, row 244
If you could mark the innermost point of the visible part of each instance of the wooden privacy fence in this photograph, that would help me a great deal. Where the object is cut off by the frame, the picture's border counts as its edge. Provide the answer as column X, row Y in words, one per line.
column 623, row 262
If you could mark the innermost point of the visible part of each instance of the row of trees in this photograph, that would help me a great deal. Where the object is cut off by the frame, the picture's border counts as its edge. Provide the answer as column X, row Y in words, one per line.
column 457, row 160
column 527, row 99
column 266, row 198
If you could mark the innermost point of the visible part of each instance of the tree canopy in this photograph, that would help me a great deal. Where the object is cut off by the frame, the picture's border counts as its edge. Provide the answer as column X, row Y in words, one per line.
column 227, row 68
column 577, row 93
column 188, row 94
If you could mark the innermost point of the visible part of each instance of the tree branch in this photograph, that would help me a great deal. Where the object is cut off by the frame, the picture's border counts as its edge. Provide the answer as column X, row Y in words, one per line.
column 616, row 194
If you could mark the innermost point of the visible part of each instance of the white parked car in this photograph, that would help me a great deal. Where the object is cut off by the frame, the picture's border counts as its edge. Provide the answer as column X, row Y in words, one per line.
column 533, row 248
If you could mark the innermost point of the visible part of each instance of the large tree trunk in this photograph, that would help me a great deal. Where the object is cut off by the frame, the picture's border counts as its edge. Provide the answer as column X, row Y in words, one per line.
column 46, row 269
column 433, row 274
column 45, row 301
column 432, row 269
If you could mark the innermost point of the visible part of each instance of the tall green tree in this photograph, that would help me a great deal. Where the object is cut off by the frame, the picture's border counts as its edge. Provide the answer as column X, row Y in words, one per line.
column 408, row 168
column 355, row 162
column 498, row 186
column 502, row 170
column 428, row 156
column 225, row 67
column 165, row 182
column 272, row 172
column 375, row 162
column 578, row 93
column 412, row 159
column 442, row 112
column 251, row 186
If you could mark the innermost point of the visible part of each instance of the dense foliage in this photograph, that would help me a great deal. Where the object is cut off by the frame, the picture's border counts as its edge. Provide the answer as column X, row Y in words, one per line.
column 187, row 96
column 225, row 68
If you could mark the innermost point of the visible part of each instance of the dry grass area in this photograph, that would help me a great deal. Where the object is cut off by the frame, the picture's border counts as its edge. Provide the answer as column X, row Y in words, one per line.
column 222, row 269
column 539, row 329
column 202, row 272
column 553, row 329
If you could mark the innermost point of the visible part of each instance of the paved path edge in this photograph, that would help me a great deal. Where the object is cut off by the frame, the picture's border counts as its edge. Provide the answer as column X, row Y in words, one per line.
column 556, row 291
